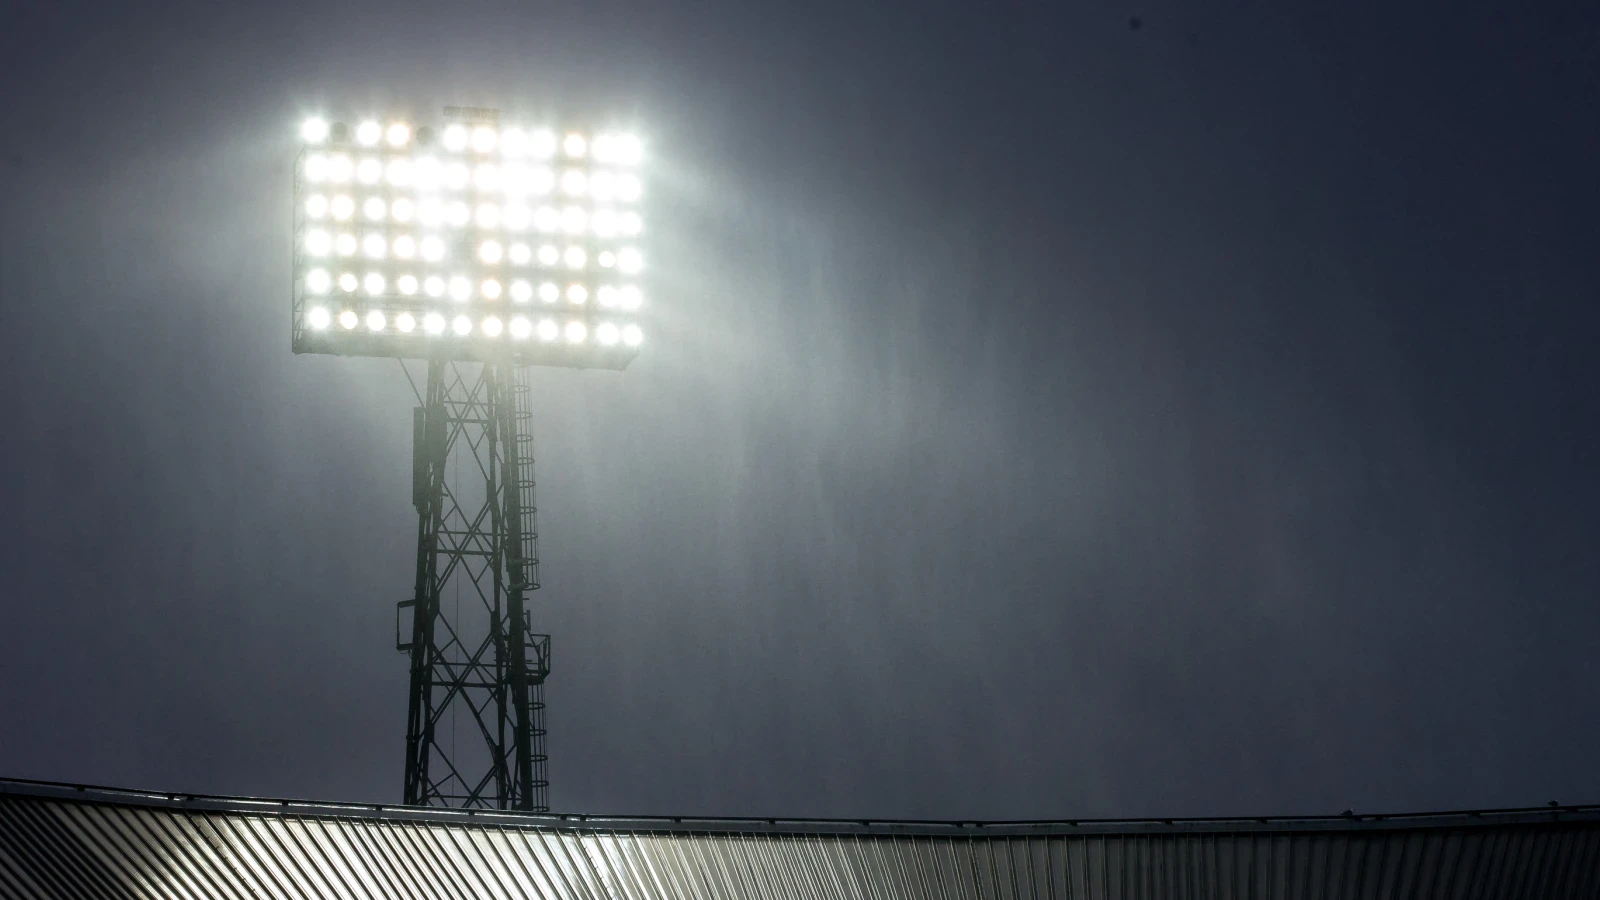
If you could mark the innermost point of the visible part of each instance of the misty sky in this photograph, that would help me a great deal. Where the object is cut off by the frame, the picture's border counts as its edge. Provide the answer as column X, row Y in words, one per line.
column 1041, row 417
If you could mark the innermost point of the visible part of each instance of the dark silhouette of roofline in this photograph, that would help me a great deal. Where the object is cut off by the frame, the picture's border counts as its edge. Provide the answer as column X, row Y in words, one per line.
column 1451, row 820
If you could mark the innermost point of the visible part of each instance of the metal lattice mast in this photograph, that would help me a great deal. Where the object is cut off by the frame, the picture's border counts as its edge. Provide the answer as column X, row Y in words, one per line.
column 475, row 728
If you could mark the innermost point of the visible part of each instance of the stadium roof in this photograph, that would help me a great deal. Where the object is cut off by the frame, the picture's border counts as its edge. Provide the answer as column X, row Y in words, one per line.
column 70, row 842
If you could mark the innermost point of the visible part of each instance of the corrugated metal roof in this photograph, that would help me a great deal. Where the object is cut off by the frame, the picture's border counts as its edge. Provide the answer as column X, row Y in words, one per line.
column 63, row 841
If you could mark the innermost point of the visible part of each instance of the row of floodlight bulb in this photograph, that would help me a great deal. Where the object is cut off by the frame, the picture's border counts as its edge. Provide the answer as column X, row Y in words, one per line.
column 460, row 288
column 433, row 212
column 431, row 248
column 520, row 327
column 622, row 149
column 430, row 174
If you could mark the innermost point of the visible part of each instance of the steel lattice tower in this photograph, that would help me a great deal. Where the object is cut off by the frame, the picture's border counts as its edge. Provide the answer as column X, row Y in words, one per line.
column 475, row 732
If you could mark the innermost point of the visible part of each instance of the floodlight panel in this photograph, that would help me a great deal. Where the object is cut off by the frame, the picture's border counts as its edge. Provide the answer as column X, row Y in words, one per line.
column 517, row 244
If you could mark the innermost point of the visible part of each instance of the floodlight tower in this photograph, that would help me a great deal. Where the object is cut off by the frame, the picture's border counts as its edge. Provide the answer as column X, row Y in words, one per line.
column 481, row 250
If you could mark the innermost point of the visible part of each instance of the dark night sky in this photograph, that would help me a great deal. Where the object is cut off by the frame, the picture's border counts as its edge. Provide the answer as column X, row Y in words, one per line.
column 1045, row 417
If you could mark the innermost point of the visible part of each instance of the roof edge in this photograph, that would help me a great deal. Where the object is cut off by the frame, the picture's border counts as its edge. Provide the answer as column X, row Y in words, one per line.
column 1458, row 819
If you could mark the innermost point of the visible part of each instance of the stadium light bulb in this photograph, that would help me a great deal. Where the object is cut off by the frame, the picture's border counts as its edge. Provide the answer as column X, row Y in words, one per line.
column 490, row 288
column 318, row 281
column 374, row 246
column 574, row 220
column 629, row 223
column 519, row 254
column 515, row 179
column 632, row 336
column 404, row 247
column 574, row 145
column 398, row 134
column 455, row 138
column 430, row 211
column 576, row 332
column 549, row 255
column 374, row 209
column 316, row 168
column 490, row 252
column 368, row 133
column 607, row 259
column 343, row 207
column 575, row 257
column 491, row 326
column 318, row 318
column 487, row 177
column 628, row 187
column 432, row 248
column 405, row 322
column 369, row 171
column 314, row 130
column 546, row 219
column 319, row 242
column 433, row 323
column 542, row 180
column 407, row 285
column 602, row 186
column 461, row 325
column 376, row 321
column 574, row 183
column 340, row 169
column 629, row 260
column 630, row 297
column 628, row 149
column 518, row 217
column 514, row 143
column 549, row 293
column 604, row 223
column 428, row 173
column 347, row 319
column 607, row 333
column 345, row 244
column 577, row 293
column 521, row 327
column 374, row 284
column 456, row 215
column 433, row 286
column 521, row 291
column 484, row 139
column 403, row 210
column 316, row 206
column 460, row 289
column 548, row 330
column 401, row 172
column 606, row 295
column 457, row 176
column 487, row 215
